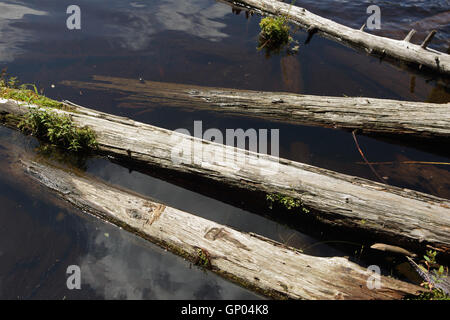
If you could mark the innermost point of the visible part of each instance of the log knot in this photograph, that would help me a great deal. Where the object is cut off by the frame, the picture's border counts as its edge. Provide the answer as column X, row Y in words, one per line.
column 150, row 216
column 220, row 233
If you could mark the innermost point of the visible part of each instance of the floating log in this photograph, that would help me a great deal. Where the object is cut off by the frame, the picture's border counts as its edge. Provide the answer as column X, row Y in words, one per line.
column 369, row 115
column 418, row 55
column 250, row 260
column 404, row 217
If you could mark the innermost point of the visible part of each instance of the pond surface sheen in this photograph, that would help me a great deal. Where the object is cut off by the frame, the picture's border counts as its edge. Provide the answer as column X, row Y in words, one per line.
column 201, row 42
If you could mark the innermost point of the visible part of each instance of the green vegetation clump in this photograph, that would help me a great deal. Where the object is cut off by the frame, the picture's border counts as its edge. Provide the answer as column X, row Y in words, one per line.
column 274, row 34
column 203, row 259
column 287, row 202
column 58, row 129
column 40, row 121
column 29, row 96
column 11, row 89
column 433, row 294
column 435, row 273
column 275, row 30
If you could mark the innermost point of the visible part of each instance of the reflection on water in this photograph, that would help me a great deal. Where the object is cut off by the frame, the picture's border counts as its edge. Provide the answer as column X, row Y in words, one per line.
column 145, row 19
column 41, row 236
column 199, row 42
column 12, row 38
column 121, row 266
column 205, row 207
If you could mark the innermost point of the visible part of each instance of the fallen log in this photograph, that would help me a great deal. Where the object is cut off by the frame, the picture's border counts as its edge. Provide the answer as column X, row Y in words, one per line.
column 401, row 50
column 252, row 261
column 368, row 115
column 404, row 217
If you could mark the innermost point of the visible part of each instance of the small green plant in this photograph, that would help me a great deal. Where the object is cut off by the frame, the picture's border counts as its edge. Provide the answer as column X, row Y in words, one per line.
column 287, row 202
column 10, row 88
column 58, row 129
column 203, row 259
column 276, row 34
column 433, row 294
column 274, row 31
column 435, row 274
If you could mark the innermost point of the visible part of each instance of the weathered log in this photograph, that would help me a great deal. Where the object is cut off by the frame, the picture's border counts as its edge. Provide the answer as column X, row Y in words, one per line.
column 250, row 260
column 401, row 50
column 406, row 218
column 369, row 115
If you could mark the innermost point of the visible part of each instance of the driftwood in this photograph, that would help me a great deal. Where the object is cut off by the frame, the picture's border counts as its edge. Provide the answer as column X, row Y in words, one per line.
column 369, row 115
column 250, row 260
column 404, row 217
column 401, row 50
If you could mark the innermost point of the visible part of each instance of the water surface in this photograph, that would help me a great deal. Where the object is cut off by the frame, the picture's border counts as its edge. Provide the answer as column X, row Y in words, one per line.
column 199, row 42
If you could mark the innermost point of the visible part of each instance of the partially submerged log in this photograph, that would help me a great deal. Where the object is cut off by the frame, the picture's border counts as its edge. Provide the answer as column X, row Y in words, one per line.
column 402, row 50
column 406, row 218
column 368, row 115
column 250, row 260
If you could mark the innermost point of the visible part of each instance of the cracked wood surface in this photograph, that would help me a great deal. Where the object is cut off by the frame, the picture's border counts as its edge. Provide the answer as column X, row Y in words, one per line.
column 369, row 115
column 404, row 217
column 252, row 261
column 397, row 49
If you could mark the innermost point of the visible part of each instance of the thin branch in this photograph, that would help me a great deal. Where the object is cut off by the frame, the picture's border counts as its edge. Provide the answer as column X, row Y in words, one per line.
column 406, row 162
column 364, row 157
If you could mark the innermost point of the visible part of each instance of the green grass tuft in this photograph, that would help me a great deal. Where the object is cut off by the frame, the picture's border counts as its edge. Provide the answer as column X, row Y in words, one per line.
column 286, row 202
column 40, row 121
column 11, row 89
column 30, row 97
column 58, row 129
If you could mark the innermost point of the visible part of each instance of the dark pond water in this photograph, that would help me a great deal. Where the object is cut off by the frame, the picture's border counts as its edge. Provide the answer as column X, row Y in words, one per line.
column 200, row 42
